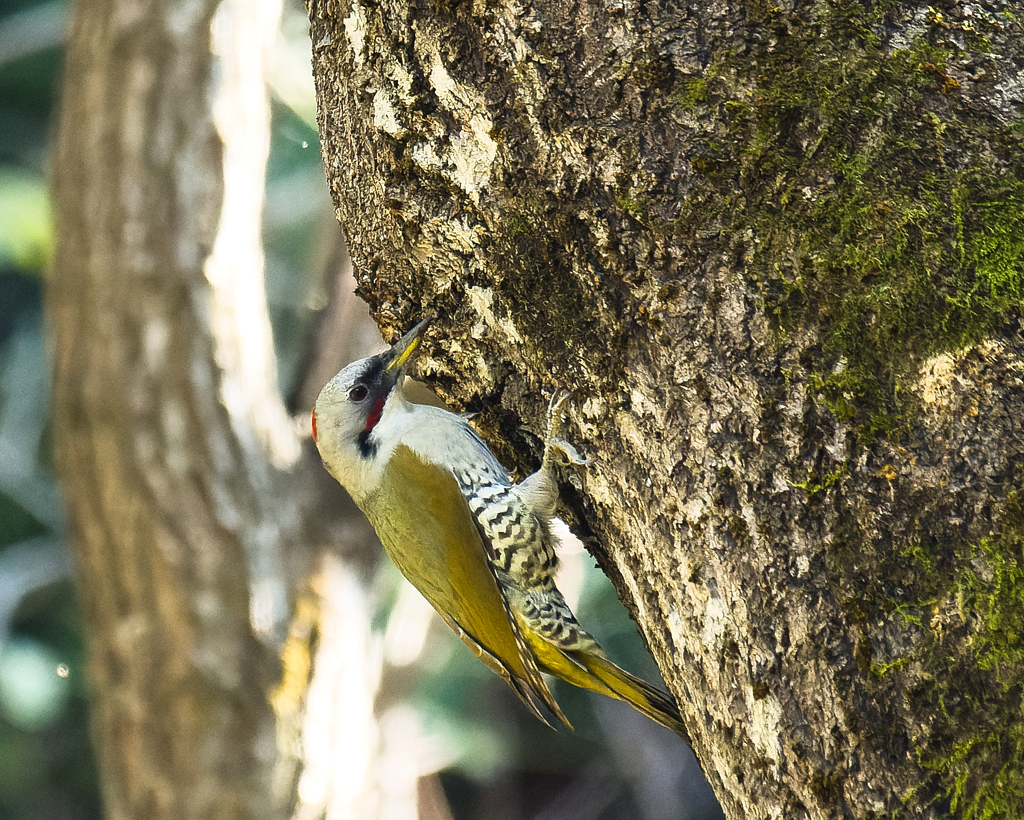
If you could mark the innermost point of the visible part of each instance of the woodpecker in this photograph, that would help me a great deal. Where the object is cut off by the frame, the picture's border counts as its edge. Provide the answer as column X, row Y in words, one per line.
column 480, row 548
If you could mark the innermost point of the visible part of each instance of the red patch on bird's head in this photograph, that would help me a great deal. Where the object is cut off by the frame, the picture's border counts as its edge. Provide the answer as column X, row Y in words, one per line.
column 375, row 413
column 312, row 421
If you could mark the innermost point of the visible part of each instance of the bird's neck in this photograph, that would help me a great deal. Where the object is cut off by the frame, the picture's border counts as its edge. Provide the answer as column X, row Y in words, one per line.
column 375, row 446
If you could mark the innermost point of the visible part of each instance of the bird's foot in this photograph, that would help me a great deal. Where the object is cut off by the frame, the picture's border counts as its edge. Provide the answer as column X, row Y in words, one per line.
column 554, row 445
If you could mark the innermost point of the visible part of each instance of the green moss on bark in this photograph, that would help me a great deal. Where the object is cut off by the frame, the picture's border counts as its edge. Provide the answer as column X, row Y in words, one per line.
column 977, row 755
column 944, row 645
column 884, row 212
column 883, row 216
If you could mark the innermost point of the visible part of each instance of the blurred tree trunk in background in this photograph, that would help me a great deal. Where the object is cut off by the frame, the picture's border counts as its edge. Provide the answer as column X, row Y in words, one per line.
column 774, row 250
column 200, row 515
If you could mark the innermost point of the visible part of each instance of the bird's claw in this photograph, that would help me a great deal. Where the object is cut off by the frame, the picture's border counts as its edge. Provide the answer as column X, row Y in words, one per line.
column 570, row 455
column 553, row 443
column 555, row 412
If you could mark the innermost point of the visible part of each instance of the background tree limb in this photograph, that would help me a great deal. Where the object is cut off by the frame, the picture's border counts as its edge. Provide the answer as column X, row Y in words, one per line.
column 199, row 519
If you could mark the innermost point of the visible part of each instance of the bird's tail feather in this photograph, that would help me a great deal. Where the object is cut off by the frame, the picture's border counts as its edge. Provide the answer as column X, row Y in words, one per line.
column 530, row 688
column 586, row 665
column 646, row 699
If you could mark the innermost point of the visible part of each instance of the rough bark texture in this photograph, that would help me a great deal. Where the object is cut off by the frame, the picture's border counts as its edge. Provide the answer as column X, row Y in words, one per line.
column 775, row 252
column 198, row 516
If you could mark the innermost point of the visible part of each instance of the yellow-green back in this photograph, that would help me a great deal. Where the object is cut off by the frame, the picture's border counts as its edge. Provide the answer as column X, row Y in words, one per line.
column 426, row 527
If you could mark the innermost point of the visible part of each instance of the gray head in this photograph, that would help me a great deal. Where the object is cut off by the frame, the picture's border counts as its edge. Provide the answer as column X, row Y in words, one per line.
column 351, row 404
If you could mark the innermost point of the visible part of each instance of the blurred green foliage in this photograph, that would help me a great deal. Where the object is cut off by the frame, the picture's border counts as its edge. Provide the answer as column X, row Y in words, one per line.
column 46, row 765
column 26, row 233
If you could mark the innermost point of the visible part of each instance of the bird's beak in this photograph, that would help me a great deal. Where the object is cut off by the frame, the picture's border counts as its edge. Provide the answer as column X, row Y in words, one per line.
column 394, row 359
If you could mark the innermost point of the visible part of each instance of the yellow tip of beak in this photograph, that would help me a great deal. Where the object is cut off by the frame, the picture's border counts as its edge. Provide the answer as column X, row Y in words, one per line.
column 406, row 346
column 402, row 358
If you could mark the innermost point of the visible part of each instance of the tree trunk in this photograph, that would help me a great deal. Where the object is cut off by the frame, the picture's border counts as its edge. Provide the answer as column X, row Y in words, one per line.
column 221, row 573
column 774, row 250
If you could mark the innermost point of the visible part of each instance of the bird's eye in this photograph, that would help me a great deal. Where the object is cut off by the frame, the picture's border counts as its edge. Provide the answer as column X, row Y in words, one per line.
column 357, row 393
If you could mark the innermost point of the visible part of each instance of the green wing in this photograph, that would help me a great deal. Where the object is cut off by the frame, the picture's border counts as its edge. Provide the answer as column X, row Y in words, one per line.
column 426, row 527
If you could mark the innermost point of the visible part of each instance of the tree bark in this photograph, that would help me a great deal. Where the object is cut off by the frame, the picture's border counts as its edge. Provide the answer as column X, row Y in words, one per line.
column 774, row 251
column 221, row 573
